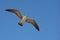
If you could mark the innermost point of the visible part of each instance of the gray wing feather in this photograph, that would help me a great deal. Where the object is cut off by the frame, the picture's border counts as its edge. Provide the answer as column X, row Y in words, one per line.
column 33, row 22
column 15, row 12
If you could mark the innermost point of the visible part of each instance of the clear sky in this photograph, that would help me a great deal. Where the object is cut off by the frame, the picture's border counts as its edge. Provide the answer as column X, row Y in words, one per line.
column 45, row 12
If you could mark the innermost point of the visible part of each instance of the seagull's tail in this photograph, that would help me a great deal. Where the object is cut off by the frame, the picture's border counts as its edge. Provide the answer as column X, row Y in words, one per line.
column 20, row 24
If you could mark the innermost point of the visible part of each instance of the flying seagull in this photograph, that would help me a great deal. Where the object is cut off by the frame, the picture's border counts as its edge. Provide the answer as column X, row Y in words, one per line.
column 23, row 18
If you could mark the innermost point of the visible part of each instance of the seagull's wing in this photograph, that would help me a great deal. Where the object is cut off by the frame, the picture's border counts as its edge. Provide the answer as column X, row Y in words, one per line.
column 15, row 12
column 32, row 21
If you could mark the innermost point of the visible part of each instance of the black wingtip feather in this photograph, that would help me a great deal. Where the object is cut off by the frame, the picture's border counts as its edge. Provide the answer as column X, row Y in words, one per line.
column 7, row 10
column 38, row 29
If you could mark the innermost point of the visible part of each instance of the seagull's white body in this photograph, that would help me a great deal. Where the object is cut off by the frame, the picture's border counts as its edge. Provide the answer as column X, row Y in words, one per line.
column 23, row 18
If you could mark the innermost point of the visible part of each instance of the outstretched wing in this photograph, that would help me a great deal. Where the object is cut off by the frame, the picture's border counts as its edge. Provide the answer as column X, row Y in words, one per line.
column 33, row 22
column 15, row 12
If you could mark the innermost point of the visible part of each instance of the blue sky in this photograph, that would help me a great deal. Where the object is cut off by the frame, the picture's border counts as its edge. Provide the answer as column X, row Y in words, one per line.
column 45, row 12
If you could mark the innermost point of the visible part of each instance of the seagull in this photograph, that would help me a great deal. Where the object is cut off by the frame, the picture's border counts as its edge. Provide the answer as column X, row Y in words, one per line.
column 23, row 18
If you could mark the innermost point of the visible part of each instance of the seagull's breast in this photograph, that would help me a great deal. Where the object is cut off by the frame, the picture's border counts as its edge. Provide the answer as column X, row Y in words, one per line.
column 24, row 18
